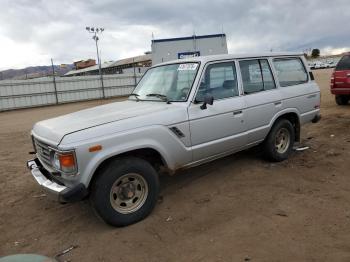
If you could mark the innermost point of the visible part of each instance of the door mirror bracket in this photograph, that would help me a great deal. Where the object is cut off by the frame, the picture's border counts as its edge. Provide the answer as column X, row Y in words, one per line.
column 207, row 100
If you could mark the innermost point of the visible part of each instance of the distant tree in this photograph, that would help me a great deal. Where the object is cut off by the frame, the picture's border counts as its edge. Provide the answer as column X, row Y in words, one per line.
column 315, row 53
column 306, row 56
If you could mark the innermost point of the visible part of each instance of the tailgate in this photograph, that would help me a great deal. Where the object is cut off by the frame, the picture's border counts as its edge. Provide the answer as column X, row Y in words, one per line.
column 341, row 79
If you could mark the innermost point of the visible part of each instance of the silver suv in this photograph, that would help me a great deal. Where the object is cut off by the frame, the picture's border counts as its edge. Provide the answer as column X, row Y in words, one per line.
column 181, row 114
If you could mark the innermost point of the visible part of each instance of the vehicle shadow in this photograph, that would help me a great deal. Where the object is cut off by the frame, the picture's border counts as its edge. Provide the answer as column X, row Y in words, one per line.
column 184, row 177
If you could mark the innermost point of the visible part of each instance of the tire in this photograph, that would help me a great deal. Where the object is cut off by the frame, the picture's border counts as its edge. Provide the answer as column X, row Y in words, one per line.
column 125, row 191
column 342, row 99
column 274, row 148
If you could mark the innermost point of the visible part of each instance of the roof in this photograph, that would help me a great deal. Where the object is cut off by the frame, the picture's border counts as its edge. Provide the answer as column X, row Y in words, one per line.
column 209, row 58
column 187, row 38
column 131, row 60
column 87, row 69
column 125, row 61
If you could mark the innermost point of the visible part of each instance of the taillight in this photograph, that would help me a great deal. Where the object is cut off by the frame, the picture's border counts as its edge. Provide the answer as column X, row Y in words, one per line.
column 332, row 80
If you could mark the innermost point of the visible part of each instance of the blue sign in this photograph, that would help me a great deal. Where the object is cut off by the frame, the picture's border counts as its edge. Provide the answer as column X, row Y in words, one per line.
column 188, row 54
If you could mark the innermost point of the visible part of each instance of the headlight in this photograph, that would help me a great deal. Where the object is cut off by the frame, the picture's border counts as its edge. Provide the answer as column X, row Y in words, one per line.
column 65, row 162
column 56, row 161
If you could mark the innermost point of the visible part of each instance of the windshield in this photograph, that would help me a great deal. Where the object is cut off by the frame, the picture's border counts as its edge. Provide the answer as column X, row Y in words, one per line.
column 171, row 83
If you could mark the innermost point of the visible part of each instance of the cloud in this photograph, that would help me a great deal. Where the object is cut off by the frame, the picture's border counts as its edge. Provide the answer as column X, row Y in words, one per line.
column 34, row 31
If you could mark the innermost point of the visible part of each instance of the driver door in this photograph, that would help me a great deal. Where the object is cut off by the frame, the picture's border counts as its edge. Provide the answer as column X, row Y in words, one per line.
column 220, row 127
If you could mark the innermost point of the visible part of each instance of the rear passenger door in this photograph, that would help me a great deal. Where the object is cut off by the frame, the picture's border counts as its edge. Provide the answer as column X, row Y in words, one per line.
column 262, row 98
column 220, row 127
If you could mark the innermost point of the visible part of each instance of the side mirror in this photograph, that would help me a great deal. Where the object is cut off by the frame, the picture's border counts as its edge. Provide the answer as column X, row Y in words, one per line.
column 207, row 100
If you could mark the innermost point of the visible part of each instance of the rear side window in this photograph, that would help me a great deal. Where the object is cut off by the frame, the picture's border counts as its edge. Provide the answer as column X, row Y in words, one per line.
column 256, row 75
column 290, row 71
column 344, row 63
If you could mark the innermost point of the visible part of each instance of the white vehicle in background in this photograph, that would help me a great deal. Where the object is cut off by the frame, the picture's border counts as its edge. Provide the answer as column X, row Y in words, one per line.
column 311, row 65
column 319, row 65
column 330, row 64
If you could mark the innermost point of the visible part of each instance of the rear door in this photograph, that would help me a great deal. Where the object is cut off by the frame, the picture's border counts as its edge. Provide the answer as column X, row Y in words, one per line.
column 342, row 75
column 262, row 98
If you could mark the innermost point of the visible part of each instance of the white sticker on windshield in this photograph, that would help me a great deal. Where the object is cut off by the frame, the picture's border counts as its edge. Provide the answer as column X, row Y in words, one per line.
column 187, row 66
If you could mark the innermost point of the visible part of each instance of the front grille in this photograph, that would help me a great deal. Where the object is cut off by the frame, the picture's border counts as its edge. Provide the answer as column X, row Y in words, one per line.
column 43, row 152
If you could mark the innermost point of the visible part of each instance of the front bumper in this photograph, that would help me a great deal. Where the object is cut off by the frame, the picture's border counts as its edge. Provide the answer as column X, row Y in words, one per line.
column 60, row 192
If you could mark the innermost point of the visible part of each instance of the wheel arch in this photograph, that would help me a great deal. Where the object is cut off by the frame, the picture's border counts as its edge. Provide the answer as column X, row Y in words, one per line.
column 148, row 154
column 293, row 117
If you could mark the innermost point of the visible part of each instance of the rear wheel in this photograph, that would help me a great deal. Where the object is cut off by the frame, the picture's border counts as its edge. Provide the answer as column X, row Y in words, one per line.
column 279, row 143
column 342, row 99
column 125, row 191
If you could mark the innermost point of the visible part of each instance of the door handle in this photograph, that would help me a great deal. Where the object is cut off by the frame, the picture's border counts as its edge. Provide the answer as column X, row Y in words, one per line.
column 278, row 103
column 311, row 96
column 237, row 112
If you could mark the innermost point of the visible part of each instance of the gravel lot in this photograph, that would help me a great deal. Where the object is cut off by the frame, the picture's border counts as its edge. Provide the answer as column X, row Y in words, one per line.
column 240, row 208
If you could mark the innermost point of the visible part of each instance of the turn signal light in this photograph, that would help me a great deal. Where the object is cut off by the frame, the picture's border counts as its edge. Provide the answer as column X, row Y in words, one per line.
column 95, row 148
column 67, row 160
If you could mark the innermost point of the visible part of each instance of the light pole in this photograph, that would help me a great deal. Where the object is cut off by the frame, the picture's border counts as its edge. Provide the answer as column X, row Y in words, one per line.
column 54, row 80
column 96, row 31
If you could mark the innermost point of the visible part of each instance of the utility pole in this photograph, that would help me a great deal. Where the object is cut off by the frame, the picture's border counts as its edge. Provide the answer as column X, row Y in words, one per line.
column 96, row 31
column 54, row 81
column 133, row 65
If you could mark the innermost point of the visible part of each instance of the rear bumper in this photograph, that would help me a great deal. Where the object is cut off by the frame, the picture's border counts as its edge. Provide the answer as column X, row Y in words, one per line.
column 340, row 91
column 59, row 192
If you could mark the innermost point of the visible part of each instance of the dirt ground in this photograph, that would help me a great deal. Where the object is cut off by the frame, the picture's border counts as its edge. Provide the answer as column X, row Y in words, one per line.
column 240, row 208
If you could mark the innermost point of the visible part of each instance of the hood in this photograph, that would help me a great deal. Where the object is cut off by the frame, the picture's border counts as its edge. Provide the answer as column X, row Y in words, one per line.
column 54, row 129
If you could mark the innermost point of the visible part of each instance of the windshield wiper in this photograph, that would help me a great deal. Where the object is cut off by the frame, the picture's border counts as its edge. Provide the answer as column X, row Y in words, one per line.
column 163, row 97
column 136, row 96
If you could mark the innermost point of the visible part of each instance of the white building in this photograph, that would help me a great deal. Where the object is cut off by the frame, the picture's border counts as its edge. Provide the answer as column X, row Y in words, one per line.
column 164, row 50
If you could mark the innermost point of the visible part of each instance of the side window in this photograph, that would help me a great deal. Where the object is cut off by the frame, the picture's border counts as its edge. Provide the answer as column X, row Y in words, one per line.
column 256, row 76
column 268, row 80
column 219, row 80
column 344, row 63
column 290, row 71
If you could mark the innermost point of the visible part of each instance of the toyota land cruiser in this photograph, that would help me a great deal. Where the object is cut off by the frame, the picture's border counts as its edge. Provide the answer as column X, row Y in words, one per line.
column 181, row 114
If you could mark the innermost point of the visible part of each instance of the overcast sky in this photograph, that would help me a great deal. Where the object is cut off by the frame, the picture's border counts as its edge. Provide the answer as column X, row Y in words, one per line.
column 33, row 31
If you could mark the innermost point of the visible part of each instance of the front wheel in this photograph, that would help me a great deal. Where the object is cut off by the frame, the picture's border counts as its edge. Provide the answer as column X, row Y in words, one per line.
column 279, row 143
column 125, row 191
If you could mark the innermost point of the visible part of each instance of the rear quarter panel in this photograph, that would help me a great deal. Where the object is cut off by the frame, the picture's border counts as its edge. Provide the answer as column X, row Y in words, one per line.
column 304, row 98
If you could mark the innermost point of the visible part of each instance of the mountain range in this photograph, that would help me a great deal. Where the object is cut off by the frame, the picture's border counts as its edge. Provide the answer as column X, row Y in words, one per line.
column 35, row 72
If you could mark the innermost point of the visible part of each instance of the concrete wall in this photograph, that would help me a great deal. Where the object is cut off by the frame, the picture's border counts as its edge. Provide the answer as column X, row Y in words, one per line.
column 15, row 94
column 164, row 50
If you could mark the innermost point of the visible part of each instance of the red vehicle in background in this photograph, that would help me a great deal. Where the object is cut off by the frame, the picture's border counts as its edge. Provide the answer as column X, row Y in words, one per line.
column 340, row 81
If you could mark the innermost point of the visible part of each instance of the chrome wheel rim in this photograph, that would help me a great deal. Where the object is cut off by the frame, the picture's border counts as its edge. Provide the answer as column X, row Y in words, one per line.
column 128, row 193
column 282, row 140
